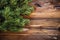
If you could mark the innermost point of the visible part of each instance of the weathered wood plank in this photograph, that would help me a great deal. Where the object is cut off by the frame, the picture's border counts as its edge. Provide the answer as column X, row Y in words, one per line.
column 45, row 22
column 42, row 12
column 45, row 15
column 33, row 34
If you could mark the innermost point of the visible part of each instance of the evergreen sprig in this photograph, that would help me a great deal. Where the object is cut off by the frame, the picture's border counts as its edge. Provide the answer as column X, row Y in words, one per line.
column 10, row 14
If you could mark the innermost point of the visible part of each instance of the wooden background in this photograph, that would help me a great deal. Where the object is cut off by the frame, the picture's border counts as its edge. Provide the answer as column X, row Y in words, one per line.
column 44, row 25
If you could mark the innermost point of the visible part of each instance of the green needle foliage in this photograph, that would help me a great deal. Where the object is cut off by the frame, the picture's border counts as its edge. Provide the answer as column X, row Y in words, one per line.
column 11, row 12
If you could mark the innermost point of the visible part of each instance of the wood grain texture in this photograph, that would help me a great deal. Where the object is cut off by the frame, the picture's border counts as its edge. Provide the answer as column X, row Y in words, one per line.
column 45, row 22
column 33, row 35
column 46, row 14
column 41, row 17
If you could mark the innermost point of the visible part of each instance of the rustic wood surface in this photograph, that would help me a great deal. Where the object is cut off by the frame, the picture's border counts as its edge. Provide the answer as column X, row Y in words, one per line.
column 45, row 13
column 44, row 17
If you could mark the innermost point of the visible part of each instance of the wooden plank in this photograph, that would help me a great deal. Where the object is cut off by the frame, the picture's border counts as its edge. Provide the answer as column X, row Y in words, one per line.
column 45, row 13
column 33, row 34
column 45, row 22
